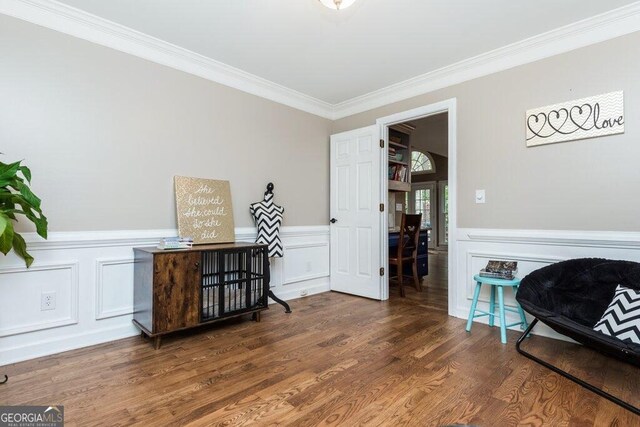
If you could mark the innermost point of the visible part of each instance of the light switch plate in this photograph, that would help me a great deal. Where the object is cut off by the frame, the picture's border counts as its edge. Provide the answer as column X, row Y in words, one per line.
column 480, row 196
column 398, row 207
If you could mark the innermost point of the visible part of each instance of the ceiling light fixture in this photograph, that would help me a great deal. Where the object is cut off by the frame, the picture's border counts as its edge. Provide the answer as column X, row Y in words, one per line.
column 337, row 4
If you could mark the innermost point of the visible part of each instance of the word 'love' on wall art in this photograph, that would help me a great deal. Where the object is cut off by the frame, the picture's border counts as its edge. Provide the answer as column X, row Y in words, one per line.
column 583, row 118
column 204, row 210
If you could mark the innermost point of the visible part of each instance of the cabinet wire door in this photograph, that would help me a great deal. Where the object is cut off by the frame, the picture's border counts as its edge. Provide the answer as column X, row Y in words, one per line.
column 233, row 282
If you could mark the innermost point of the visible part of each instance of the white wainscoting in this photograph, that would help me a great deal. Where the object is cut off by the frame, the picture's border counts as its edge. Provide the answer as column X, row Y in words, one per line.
column 91, row 274
column 113, row 286
column 532, row 249
column 23, row 288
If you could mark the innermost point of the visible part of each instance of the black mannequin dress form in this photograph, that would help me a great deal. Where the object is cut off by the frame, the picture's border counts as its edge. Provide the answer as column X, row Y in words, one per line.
column 268, row 218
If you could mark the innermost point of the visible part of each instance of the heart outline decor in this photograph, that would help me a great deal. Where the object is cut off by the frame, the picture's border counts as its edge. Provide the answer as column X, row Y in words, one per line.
column 556, row 127
column 539, row 128
column 581, row 114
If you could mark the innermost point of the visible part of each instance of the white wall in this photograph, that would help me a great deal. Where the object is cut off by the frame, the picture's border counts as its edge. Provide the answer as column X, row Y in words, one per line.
column 91, row 274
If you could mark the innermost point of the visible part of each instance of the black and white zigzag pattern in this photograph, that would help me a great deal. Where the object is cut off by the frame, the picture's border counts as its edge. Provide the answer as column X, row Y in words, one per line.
column 268, row 217
column 622, row 318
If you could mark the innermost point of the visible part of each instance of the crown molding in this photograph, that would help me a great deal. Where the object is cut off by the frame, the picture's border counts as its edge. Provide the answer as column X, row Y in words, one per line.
column 69, row 20
column 608, row 25
column 75, row 22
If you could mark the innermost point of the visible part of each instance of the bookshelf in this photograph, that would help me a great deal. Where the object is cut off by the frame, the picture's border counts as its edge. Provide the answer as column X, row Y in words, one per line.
column 399, row 169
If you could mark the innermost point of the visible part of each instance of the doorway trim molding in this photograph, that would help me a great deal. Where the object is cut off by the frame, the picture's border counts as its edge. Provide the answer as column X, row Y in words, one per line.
column 447, row 106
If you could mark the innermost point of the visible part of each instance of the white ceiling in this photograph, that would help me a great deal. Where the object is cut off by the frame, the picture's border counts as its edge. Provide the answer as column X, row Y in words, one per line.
column 336, row 56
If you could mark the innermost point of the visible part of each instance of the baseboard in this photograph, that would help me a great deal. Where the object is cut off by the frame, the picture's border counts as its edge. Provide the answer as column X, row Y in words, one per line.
column 60, row 344
column 303, row 289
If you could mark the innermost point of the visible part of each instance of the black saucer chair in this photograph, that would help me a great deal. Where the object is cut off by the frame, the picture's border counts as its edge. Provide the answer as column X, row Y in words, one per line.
column 571, row 297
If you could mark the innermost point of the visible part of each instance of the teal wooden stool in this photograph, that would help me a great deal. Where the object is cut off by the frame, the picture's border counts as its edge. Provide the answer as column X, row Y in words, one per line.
column 500, row 284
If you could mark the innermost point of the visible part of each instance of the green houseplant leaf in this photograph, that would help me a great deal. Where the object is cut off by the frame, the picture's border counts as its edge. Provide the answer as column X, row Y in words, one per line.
column 6, row 238
column 9, row 171
column 17, row 199
column 26, row 172
column 20, row 246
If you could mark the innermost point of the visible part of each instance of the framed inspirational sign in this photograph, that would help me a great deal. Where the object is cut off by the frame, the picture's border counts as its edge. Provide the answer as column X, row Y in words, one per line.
column 204, row 211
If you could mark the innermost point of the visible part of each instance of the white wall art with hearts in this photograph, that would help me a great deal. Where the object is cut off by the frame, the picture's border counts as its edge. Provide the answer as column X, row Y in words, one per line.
column 583, row 118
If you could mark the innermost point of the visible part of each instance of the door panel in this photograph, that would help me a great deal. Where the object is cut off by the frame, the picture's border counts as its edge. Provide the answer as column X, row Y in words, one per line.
column 364, row 245
column 355, row 243
column 340, row 245
column 343, row 184
column 364, row 186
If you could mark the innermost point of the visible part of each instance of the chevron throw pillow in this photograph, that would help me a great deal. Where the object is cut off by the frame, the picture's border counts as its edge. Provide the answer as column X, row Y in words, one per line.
column 622, row 318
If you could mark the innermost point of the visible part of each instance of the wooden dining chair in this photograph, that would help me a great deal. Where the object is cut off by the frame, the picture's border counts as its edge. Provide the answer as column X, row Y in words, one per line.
column 407, row 250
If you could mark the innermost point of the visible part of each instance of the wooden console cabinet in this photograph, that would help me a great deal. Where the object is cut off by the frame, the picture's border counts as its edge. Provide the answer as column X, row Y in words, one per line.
column 180, row 289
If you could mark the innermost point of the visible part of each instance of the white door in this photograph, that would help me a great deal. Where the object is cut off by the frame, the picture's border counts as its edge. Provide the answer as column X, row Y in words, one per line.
column 355, row 212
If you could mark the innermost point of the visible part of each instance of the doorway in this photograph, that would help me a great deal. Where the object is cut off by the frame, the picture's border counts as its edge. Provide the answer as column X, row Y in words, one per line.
column 441, row 192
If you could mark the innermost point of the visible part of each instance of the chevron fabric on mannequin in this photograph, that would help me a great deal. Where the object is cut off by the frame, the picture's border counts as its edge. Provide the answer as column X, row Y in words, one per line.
column 268, row 217
column 622, row 318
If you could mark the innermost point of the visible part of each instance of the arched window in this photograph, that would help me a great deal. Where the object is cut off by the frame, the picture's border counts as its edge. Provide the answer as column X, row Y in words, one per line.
column 422, row 162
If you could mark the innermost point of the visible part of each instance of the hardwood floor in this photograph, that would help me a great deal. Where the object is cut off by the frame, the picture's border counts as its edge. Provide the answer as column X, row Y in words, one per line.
column 336, row 360
column 434, row 286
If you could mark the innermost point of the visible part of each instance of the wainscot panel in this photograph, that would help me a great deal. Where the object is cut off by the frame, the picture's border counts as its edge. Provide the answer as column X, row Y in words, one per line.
column 22, row 306
column 114, row 282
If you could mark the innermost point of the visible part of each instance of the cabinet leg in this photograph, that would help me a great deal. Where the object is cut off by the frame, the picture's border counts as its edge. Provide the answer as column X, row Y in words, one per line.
column 256, row 316
column 157, row 342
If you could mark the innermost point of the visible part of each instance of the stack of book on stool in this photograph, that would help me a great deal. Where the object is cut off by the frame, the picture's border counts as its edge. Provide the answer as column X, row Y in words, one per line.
column 500, row 270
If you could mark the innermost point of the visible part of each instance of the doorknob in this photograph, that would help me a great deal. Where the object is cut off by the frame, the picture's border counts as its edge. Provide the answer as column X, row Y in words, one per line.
column 333, row 220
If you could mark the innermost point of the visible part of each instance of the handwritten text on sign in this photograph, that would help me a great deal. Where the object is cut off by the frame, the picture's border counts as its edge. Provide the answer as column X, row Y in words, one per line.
column 204, row 210
column 583, row 118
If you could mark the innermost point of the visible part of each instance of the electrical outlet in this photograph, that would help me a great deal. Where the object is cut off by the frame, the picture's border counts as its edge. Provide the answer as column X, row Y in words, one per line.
column 47, row 301
column 303, row 292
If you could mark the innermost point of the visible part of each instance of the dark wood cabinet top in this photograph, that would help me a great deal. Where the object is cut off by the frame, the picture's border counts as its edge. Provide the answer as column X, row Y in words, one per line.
column 215, row 247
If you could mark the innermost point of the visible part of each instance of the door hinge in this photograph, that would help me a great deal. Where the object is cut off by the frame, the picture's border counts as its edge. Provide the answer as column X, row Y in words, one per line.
column 381, row 207
column 382, row 271
column 382, row 143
